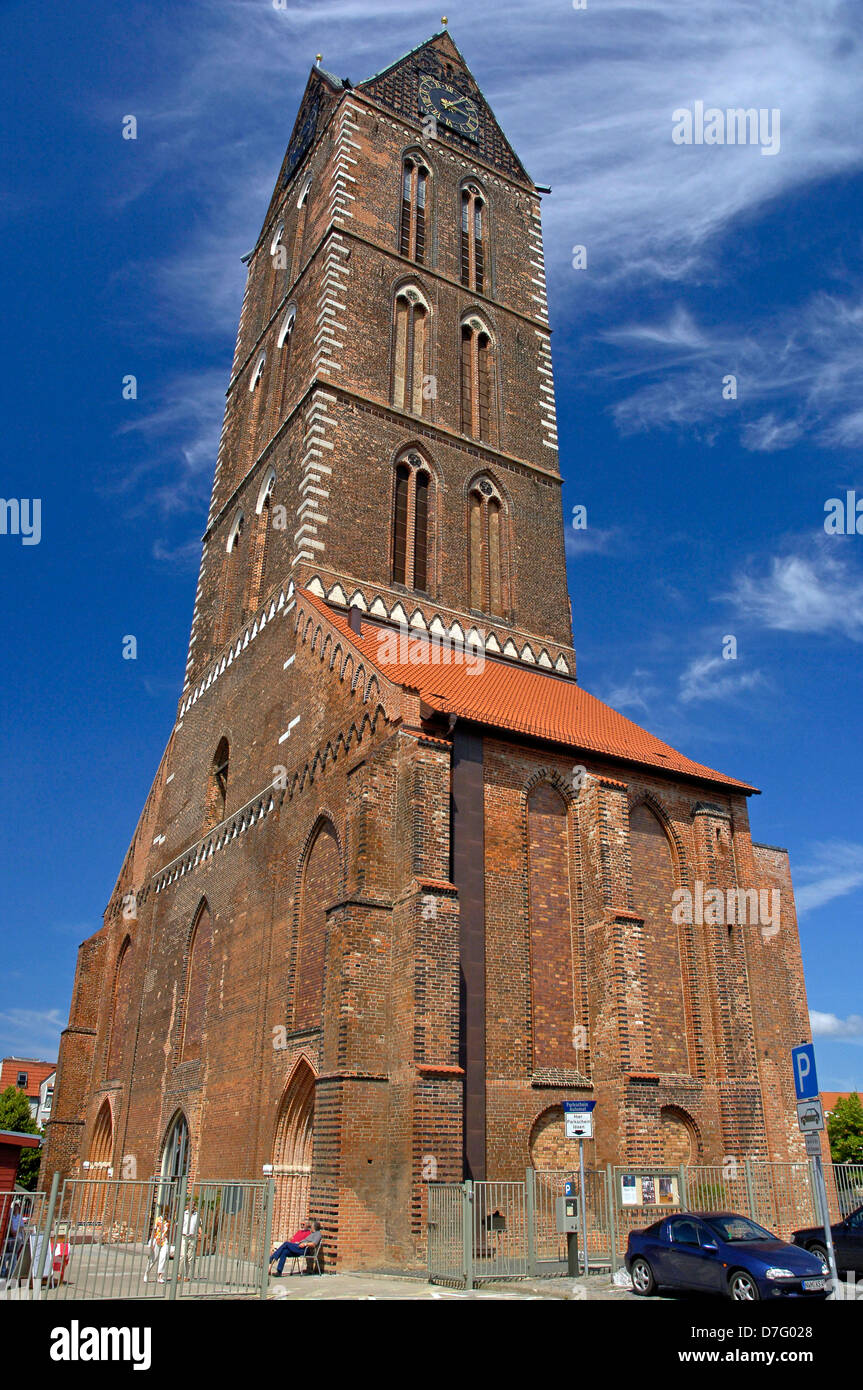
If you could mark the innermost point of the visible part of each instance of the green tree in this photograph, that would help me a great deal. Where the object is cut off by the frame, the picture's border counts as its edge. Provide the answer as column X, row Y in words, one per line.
column 845, row 1130
column 15, row 1115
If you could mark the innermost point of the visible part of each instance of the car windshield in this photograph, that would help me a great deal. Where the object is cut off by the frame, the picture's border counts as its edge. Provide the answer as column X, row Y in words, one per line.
column 736, row 1229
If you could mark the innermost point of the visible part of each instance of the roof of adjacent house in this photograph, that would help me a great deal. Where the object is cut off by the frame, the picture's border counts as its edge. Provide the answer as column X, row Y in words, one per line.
column 829, row 1099
column 19, row 1140
column 37, row 1071
column 517, row 699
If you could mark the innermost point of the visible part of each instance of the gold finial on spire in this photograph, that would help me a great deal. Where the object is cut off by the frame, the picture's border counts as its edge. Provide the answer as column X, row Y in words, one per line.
column 444, row 21
column 319, row 57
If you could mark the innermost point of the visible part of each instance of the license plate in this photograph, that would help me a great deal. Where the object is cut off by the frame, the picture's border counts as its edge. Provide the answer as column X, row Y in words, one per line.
column 814, row 1283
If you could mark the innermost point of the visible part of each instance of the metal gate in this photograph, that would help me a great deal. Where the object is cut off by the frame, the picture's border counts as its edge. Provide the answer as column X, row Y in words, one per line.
column 98, row 1238
column 503, row 1230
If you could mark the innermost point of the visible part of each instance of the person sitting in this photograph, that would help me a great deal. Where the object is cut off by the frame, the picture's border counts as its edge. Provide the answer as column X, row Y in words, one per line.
column 303, row 1243
column 296, row 1239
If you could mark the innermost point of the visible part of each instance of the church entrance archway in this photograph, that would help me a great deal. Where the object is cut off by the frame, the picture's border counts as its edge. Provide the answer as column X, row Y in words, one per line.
column 292, row 1153
column 98, row 1168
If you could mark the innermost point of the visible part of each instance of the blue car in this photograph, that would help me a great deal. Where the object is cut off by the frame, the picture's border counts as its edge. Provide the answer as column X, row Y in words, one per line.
column 720, row 1252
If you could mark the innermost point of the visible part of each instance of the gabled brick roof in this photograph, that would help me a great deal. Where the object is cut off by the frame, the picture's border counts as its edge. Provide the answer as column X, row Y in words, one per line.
column 502, row 695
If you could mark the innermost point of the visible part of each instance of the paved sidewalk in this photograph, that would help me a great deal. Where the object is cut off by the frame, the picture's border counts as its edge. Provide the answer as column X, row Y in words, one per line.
column 367, row 1286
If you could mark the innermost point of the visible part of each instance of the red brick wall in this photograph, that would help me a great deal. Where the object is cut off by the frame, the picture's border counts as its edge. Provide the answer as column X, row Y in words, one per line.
column 653, row 878
column 551, row 969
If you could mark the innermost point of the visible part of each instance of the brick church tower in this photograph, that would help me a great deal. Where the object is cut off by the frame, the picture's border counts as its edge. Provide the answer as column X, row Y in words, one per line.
column 401, row 886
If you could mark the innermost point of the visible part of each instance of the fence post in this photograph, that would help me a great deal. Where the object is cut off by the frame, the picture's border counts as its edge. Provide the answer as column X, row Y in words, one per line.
column 530, row 1219
column 611, row 1222
column 269, row 1202
column 684, row 1192
column 750, row 1189
column 46, row 1237
column 178, row 1237
column 467, row 1232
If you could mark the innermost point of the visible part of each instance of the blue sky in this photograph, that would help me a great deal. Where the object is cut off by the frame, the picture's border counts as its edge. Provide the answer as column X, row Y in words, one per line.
column 705, row 515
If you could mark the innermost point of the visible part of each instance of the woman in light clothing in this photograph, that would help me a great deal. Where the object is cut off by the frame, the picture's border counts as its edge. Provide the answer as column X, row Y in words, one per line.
column 158, row 1248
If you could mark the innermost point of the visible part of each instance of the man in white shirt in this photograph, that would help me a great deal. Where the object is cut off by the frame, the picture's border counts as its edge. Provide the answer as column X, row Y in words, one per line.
column 189, row 1239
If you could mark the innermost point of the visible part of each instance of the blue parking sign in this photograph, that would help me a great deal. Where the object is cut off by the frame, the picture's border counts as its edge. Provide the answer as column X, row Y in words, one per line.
column 805, row 1078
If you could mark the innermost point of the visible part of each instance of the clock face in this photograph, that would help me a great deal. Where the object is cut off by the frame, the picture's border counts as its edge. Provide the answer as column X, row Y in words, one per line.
column 449, row 106
column 302, row 140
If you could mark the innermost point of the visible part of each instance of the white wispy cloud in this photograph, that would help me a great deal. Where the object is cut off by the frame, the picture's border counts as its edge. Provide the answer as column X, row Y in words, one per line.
column 831, row 1026
column 834, row 870
column 31, row 1032
column 180, row 434
column 818, row 591
column 799, row 373
column 591, row 540
column 635, row 693
column 713, row 678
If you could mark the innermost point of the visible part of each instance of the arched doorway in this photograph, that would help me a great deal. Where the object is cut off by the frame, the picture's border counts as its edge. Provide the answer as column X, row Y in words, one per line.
column 98, row 1167
column 102, row 1143
column 292, row 1153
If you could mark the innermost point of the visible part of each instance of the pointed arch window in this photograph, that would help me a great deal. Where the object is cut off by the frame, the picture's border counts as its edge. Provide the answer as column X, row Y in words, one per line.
column 300, row 230
column 284, row 343
column 473, row 238
column 320, row 887
column 279, row 261
column 258, row 557
column 197, row 977
column 217, row 790
column 489, row 590
column 120, row 1007
column 478, row 414
column 412, row 507
column 257, row 373
column 411, row 334
column 175, row 1152
column 412, row 230
column 232, row 581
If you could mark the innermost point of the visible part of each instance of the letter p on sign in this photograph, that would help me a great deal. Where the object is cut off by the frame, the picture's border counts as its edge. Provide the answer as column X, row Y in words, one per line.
column 805, row 1079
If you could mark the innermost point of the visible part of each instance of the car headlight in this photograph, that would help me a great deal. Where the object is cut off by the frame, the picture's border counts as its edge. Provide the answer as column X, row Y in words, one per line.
column 774, row 1272
column 824, row 1268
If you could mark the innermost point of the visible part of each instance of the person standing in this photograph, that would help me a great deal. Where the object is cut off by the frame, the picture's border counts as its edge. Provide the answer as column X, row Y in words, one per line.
column 189, row 1239
column 158, row 1248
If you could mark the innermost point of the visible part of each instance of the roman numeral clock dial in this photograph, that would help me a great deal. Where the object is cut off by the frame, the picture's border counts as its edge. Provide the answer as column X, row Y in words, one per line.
column 448, row 106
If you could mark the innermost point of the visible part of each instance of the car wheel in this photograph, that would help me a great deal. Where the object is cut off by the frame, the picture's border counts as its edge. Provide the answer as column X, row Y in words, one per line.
column 742, row 1288
column 820, row 1251
column 643, row 1281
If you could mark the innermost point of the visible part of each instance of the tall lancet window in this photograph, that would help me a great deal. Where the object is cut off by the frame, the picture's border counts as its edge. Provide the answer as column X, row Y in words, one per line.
column 473, row 239
column 279, row 261
column 412, row 231
column 478, row 411
column 489, row 588
column 410, row 339
column 258, row 547
column 232, row 582
column 282, row 366
column 300, row 229
column 412, row 523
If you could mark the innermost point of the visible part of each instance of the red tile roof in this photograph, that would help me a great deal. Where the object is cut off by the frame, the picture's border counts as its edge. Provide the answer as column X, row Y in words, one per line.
column 36, row 1071
column 829, row 1099
column 516, row 698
